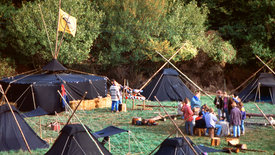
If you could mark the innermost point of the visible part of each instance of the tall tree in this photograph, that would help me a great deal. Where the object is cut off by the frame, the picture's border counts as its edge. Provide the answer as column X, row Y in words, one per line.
column 133, row 29
column 27, row 34
column 248, row 25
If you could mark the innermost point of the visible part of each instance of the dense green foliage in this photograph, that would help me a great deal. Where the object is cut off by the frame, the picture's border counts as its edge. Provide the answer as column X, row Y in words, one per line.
column 134, row 30
column 248, row 25
column 7, row 67
column 27, row 35
column 128, row 32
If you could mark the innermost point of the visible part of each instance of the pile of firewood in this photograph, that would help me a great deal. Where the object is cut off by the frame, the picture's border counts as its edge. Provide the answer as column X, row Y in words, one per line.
column 236, row 147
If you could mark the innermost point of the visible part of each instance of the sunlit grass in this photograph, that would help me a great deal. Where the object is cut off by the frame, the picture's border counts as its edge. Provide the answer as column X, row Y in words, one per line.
column 143, row 139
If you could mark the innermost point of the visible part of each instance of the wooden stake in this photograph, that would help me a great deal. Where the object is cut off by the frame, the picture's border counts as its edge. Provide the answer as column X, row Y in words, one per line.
column 24, row 138
column 264, row 115
column 83, row 97
column 266, row 65
column 160, row 69
column 190, row 145
column 184, row 75
column 40, row 128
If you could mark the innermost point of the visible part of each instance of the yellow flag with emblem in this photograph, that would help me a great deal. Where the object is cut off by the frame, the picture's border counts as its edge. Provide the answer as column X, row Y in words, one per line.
column 67, row 23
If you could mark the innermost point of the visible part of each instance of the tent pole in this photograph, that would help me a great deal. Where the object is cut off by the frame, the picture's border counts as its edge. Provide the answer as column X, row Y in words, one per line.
column 75, row 107
column 2, row 98
column 160, row 69
column 46, row 29
column 257, row 91
column 265, row 65
column 56, row 40
column 155, row 86
column 270, row 95
column 184, row 75
column 190, row 145
column 264, row 115
column 109, row 141
column 24, row 138
column 34, row 104
column 80, row 72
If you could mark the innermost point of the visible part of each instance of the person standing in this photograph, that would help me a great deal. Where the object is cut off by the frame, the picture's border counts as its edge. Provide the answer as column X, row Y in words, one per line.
column 219, row 103
column 196, row 102
column 180, row 106
column 225, row 106
column 115, row 97
column 188, row 113
column 235, row 119
column 243, row 117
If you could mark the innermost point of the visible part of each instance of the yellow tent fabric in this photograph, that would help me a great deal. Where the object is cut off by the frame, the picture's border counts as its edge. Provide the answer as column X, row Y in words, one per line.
column 67, row 22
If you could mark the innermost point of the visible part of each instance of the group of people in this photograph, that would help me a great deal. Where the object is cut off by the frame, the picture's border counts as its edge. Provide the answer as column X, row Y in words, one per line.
column 230, row 109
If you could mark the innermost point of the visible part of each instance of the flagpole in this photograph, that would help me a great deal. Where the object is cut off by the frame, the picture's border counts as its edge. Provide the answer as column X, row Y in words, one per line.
column 55, row 50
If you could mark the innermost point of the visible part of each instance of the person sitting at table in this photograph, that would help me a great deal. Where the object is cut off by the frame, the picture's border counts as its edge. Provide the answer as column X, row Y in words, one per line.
column 200, row 122
column 211, row 122
column 204, row 110
column 195, row 101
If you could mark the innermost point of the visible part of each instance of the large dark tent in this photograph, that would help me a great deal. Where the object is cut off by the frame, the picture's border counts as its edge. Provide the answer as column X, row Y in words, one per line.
column 261, row 89
column 167, row 86
column 33, row 90
column 178, row 146
column 10, row 136
column 73, row 139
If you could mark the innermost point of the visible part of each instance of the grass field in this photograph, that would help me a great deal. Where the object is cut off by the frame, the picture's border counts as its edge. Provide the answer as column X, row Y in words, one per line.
column 143, row 139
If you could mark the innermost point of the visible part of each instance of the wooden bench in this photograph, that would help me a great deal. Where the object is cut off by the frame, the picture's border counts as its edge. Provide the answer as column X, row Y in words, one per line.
column 199, row 131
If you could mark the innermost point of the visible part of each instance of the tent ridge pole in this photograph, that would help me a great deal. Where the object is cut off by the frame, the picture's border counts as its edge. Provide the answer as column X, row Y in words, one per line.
column 160, row 68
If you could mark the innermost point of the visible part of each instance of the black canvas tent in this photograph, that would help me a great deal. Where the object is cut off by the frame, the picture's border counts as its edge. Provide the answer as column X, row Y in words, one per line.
column 260, row 89
column 109, row 131
column 73, row 139
column 32, row 90
column 178, row 146
column 10, row 136
column 167, row 86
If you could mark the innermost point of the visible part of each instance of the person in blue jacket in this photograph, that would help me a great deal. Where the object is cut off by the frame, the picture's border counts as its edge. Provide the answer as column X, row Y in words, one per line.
column 196, row 102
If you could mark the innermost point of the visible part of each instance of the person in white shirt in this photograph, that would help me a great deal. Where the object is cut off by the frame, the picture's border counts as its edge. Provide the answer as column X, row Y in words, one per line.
column 115, row 96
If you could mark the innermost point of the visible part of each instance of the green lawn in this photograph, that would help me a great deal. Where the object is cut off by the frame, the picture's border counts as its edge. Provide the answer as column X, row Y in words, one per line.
column 143, row 139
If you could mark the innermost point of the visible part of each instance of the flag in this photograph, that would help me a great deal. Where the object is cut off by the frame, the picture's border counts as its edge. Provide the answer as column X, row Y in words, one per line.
column 67, row 23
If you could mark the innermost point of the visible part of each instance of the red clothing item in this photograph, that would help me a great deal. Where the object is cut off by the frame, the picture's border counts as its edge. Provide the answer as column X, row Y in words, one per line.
column 188, row 113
